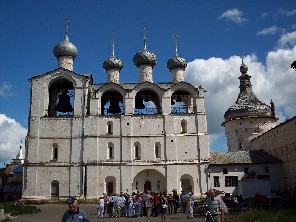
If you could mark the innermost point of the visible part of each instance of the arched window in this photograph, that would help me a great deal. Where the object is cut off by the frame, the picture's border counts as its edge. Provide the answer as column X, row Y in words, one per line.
column 137, row 151
column 157, row 150
column 183, row 126
column 54, row 152
column 109, row 127
column 110, row 152
column 61, row 98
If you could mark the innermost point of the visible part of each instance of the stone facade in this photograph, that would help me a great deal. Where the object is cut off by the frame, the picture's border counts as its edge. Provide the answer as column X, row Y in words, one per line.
column 281, row 143
column 85, row 139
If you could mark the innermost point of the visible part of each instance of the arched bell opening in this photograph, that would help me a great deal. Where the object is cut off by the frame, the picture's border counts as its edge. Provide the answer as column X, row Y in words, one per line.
column 180, row 102
column 112, row 103
column 147, row 103
column 61, row 98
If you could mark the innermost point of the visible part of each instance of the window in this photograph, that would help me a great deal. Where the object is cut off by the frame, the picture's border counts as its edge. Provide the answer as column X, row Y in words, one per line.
column 246, row 170
column 110, row 128
column 183, row 126
column 54, row 155
column 157, row 150
column 231, row 181
column 225, row 171
column 110, row 151
column 137, row 151
column 216, row 181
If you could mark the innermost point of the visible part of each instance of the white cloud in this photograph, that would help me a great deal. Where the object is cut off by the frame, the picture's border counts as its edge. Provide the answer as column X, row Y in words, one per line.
column 5, row 88
column 270, row 31
column 234, row 15
column 287, row 13
column 275, row 80
column 11, row 134
column 287, row 40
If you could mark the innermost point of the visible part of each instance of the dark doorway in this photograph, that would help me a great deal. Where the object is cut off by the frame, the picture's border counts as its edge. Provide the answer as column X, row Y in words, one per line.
column 110, row 188
column 147, row 186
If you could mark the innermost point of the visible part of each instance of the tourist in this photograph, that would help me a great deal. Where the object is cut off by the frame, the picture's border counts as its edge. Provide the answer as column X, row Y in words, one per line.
column 100, row 207
column 214, row 207
column 163, row 203
column 74, row 213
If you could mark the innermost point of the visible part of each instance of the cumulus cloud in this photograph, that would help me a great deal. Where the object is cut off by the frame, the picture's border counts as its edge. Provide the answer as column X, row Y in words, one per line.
column 234, row 15
column 270, row 31
column 273, row 80
column 287, row 40
column 11, row 134
column 5, row 89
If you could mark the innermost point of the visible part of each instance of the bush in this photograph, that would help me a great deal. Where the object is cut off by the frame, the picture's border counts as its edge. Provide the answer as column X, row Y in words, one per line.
column 15, row 210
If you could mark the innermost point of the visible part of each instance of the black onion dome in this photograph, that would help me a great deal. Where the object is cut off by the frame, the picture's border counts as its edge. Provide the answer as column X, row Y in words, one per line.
column 176, row 62
column 65, row 48
column 112, row 63
column 145, row 57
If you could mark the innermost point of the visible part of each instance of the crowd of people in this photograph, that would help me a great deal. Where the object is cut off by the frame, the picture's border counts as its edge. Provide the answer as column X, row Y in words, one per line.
column 146, row 204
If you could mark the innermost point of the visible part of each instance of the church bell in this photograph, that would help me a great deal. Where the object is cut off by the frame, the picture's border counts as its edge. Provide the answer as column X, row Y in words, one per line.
column 139, row 103
column 114, row 106
column 64, row 105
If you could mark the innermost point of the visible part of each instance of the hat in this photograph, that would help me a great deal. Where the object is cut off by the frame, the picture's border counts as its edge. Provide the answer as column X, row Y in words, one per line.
column 71, row 200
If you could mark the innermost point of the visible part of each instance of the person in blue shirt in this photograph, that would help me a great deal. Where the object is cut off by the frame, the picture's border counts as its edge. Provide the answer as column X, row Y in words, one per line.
column 74, row 213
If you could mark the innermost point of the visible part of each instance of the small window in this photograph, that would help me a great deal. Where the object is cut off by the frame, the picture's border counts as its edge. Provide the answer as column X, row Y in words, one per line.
column 54, row 156
column 183, row 126
column 137, row 151
column 225, row 171
column 157, row 150
column 216, row 181
column 137, row 185
column 110, row 151
column 231, row 181
column 109, row 128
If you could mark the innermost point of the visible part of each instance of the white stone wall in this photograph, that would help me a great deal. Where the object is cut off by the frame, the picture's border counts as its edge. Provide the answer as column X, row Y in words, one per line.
column 242, row 131
column 82, row 142
column 281, row 143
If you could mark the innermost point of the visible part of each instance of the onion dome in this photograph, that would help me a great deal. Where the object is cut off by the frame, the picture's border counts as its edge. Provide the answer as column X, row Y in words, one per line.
column 65, row 48
column 176, row 62
column 247, row 104
column 145, row 57
column 112, row 63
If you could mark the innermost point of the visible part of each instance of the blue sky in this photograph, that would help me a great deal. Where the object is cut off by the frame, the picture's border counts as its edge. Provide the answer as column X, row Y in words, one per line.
column 211, row 36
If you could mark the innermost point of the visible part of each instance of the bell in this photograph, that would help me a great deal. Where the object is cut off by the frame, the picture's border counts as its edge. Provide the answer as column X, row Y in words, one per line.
column 178, row 99
column 139, row 103
column 64, row 105
column 114, row 106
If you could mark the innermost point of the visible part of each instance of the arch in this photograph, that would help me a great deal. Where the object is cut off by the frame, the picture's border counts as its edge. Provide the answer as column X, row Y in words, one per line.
column 187, row 183
column 61, row 97
column 157, row 180
column 112, row 103
column 110, row 185
column 110, row 87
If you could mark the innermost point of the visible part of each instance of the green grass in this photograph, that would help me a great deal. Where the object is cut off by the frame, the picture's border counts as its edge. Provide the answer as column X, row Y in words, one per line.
column 15, row 210
column 278, row 215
